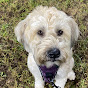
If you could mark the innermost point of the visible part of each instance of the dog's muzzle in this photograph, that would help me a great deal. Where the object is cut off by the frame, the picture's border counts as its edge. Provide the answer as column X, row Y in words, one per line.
column 53, row 54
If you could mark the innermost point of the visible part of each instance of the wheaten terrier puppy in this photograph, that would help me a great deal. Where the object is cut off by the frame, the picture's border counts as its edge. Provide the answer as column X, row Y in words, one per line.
column 48, row 36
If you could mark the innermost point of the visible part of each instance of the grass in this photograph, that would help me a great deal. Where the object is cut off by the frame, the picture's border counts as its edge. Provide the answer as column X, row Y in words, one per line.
column 13, row 58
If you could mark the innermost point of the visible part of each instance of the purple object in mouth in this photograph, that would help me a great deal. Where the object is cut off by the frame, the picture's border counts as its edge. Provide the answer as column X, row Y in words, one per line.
column 48, row 74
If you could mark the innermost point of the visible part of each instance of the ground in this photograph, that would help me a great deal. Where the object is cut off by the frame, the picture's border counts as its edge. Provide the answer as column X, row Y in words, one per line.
column 13, row 58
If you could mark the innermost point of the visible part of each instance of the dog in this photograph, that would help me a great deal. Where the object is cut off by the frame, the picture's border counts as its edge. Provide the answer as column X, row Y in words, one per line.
column 48, row 35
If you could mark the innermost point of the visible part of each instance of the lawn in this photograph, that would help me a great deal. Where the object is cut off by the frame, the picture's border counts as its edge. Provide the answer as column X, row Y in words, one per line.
column 13, row 58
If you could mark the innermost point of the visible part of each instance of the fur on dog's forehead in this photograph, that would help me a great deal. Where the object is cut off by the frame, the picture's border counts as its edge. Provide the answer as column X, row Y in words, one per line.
column 47, row 15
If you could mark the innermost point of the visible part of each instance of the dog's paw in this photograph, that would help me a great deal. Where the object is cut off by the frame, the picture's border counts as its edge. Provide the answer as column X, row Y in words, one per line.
column 39, row 84
column 71, row 75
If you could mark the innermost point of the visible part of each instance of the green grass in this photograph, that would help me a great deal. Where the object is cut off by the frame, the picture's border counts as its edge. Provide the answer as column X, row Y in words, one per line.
column 13, row 58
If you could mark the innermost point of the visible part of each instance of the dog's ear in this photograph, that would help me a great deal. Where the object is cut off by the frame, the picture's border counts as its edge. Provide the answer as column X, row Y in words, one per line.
column 19, row 32
column 74, row 31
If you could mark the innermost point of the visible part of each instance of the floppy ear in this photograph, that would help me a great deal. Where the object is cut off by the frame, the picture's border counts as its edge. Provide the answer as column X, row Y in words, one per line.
column 19, row 32
column 74, row 31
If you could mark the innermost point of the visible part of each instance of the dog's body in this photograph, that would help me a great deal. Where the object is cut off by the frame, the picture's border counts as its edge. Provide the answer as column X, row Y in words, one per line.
column 48, row 35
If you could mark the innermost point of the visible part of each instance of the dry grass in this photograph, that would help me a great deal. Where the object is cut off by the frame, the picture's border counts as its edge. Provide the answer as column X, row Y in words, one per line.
column 13, row 58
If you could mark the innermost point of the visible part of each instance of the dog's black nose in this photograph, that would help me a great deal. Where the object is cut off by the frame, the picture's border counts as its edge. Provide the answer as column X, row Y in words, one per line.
column 53, row 53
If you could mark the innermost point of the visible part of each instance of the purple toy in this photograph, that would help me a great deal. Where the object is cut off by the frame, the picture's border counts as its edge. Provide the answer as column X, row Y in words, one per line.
column 48, row 74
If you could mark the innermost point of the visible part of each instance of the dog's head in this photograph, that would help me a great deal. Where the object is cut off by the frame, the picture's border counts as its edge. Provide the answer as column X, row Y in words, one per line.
column 49, row 34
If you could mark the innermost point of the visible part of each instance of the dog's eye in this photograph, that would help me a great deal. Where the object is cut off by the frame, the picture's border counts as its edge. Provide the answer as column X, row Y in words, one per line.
column 40, row 32
column 59, row 33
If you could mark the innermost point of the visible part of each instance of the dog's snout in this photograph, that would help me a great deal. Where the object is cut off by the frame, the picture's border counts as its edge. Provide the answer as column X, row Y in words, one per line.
column 53, row 53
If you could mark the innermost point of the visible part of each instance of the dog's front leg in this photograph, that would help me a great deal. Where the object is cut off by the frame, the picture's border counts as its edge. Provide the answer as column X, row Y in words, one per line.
column 39, row 83
column 60, row 82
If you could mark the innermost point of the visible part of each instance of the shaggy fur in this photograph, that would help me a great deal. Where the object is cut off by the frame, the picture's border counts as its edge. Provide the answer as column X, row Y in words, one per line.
column 49, row 20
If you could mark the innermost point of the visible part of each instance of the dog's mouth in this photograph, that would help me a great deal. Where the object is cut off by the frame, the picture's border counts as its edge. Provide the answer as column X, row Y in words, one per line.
column 53, row 59
column 48, row 62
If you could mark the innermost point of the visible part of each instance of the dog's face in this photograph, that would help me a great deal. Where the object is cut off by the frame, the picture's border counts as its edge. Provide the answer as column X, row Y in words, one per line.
column 49, row 34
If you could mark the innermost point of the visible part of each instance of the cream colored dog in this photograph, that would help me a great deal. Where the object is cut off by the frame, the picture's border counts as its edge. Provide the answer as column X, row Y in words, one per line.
column 48, row 36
